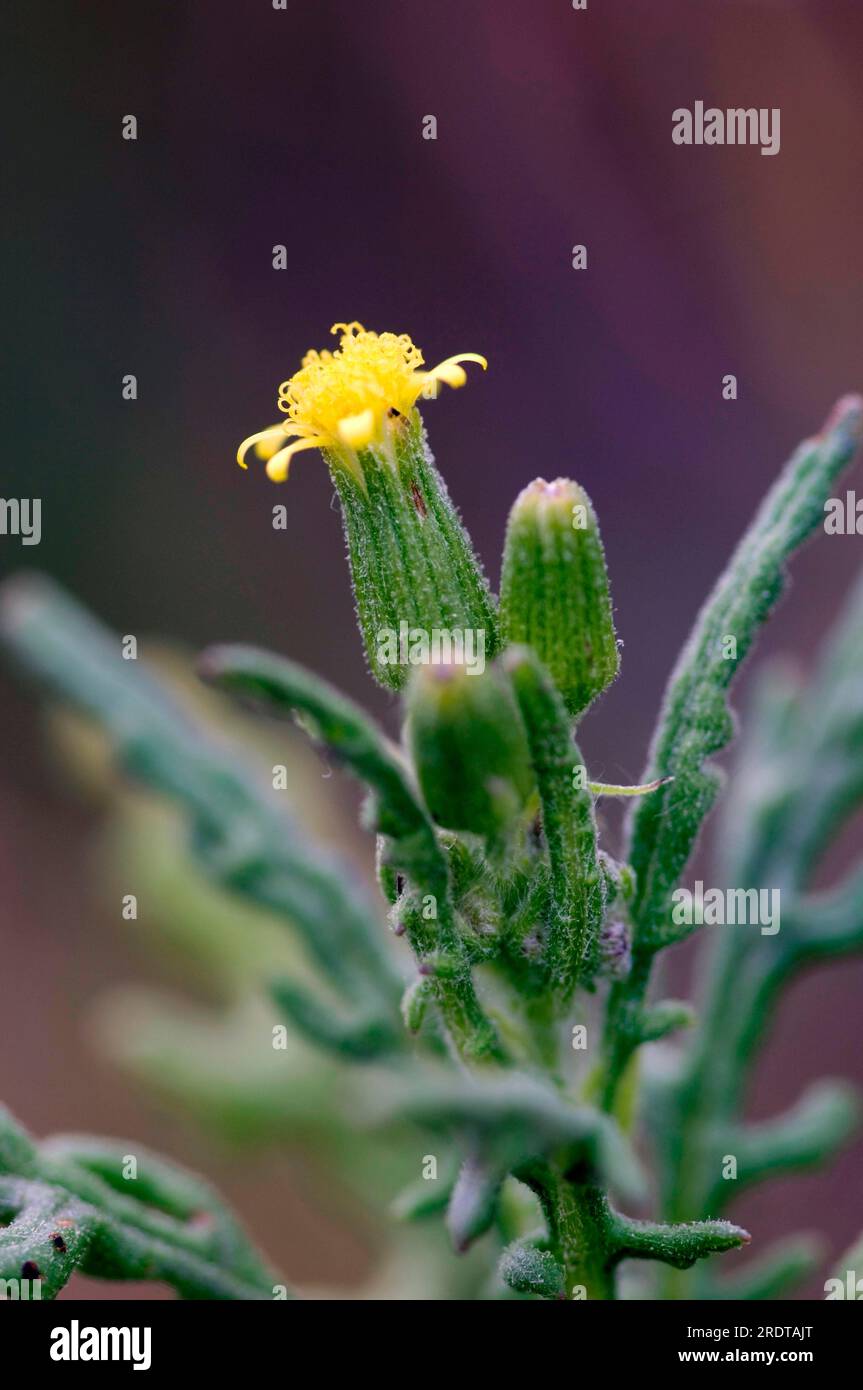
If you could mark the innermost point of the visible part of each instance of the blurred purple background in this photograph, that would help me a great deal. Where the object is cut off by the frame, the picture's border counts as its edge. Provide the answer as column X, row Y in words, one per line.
column 303, row 127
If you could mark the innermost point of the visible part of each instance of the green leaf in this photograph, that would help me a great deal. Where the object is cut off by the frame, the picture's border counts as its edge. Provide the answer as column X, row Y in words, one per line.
column 513, row 1120
column 240, row 836
column 348, row 733
column 679, row 1245
column 798, row 778
column 695, row 723
column 355, row 1038
column 76, row 1204
column 44, row 1236
column 775, row 1274
column 817, row 1126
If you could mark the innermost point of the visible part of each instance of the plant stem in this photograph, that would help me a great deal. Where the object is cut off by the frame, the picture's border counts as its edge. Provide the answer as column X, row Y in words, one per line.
column 576, row 1214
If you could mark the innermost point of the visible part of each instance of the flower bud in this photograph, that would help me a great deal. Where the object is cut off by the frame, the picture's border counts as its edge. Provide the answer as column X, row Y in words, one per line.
column 412, row 564
column 473, row 1203
column 530, row 1271
column 615, row 950
column 554, row 590
column 469, row 748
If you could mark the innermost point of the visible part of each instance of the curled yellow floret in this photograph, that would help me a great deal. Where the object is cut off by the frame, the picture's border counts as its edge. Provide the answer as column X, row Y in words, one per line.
column 347, row 398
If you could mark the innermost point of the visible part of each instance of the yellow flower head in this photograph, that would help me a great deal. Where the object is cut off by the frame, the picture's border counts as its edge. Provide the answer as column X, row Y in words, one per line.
column 346, row 399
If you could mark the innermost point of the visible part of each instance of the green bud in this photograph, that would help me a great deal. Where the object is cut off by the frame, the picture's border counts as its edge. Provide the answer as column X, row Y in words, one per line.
column 415, row 1003
column 418, row 586
column 469, row 748
column 473, row 1203
column 554, row 589
column 530, row 1271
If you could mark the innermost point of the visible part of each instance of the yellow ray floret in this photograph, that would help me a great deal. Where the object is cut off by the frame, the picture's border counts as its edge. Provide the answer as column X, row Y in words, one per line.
column 346, row 399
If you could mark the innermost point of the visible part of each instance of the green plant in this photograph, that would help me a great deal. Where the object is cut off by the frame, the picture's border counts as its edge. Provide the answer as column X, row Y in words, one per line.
column 65, row 1204
column 482, row 1028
